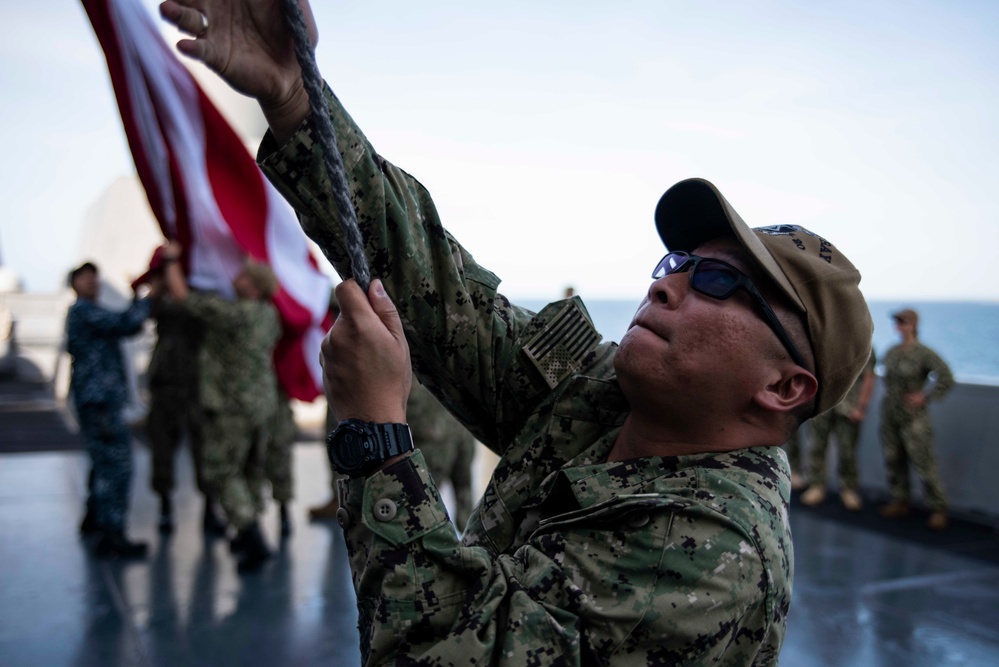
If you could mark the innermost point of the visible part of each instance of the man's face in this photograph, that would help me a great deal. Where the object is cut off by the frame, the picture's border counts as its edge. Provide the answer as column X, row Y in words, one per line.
column 905, row 328
column 686, row 351
column 86, row 284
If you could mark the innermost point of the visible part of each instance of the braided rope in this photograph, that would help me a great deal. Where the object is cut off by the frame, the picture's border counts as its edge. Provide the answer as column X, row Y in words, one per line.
column 320, row 114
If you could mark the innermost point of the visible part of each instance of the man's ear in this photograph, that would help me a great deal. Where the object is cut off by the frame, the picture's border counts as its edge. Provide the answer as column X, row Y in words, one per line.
column 791, row 389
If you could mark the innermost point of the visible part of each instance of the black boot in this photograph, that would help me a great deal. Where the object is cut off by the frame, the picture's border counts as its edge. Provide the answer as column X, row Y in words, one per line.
column 89, row 524
column 255, row 549
column 114, row 544
column 285, row 521
column 237, row 545
column 213, row 524
column 166, row 514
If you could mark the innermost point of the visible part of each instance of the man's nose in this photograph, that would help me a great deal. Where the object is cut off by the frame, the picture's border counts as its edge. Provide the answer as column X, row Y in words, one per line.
column 670, row 290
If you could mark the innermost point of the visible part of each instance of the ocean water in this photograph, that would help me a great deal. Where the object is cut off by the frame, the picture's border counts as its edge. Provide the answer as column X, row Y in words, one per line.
column 964, row 333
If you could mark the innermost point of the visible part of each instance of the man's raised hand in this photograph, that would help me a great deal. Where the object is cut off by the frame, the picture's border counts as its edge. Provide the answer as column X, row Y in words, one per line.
column 248, row 44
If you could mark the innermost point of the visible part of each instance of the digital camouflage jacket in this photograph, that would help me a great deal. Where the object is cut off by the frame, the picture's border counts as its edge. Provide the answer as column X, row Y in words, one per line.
column 907, row 370
column 237, row 365
column 567, row 559
column 93, row 339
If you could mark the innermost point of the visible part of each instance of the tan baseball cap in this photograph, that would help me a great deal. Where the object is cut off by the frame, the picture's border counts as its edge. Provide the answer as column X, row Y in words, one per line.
column 815, row 276
column 907, row 315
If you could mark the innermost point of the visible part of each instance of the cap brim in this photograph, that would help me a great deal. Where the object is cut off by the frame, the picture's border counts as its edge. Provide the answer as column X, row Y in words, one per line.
column 693, row 212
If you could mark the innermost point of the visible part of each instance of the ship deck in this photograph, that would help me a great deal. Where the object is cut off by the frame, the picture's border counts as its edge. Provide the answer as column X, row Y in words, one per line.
column 867, row 592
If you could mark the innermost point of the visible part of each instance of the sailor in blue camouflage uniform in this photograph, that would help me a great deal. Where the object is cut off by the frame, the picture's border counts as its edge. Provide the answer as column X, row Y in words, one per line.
column 638, row 514
column 99, row 388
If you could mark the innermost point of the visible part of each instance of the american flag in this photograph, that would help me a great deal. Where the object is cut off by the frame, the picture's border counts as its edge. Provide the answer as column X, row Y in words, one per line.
column 206, row 190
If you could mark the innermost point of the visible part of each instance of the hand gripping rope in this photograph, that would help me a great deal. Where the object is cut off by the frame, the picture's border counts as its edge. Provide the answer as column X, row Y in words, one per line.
column 327, row 140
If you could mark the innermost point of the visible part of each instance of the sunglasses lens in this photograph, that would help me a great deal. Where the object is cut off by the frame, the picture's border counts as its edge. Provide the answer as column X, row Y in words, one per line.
column 715, row 280
column 671, row 263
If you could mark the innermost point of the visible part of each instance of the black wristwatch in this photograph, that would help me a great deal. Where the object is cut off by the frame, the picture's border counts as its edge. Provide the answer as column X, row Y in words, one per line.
column 356, row 448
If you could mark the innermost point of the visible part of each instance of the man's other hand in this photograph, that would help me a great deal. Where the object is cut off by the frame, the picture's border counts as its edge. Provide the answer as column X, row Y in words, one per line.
column 365, row 357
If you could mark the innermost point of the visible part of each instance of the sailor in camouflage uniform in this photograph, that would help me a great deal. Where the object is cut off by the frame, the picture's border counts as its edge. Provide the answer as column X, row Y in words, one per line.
column 238, row 392
column 98, row 386
column 843, row 421
column 638, row 514
column 906, row 429
column 174, row 402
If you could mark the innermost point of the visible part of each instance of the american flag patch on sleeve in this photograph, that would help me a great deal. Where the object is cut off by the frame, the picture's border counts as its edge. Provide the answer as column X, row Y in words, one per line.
column 558, row 349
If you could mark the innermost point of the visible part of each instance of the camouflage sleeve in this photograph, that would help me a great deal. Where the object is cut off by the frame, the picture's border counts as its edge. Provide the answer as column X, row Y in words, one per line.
column 118, row 324
column 214, row 311
column 462, row 334
column 944, row 378
column 261, row 321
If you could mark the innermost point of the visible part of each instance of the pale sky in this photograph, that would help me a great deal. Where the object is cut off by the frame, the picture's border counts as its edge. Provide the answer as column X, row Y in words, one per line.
column 547, row 131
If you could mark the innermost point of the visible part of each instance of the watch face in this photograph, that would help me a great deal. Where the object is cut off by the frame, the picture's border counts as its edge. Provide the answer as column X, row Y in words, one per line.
column 349, row 449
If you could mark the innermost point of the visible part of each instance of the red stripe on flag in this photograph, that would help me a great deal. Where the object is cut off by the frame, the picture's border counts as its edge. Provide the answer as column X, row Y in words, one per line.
column 236, row 182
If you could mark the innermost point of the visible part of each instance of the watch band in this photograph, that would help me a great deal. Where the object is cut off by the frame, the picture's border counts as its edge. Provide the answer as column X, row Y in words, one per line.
column 392, row 439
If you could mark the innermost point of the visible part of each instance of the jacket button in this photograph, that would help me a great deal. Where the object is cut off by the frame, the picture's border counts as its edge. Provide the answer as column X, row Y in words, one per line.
column 343, row 518
column 638, row 519
column 385, row 510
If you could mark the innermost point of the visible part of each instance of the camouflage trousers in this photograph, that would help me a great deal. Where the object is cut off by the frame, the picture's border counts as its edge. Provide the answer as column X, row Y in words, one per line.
column 273, row 463
column 172, row 414
column 233, row 451
column 109, row 446
column 846, row 432
column 907, row 438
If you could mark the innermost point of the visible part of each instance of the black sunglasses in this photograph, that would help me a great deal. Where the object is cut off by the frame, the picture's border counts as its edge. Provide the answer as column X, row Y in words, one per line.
column 719, row 280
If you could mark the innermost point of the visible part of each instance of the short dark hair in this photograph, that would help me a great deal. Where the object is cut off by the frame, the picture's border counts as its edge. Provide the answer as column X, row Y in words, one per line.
column 86, row 266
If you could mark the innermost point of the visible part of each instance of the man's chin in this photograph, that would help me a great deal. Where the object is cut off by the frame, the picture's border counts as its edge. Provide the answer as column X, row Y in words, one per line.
column 636, row 350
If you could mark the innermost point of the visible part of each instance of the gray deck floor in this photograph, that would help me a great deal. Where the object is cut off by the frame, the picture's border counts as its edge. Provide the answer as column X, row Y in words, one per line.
column 861, row 597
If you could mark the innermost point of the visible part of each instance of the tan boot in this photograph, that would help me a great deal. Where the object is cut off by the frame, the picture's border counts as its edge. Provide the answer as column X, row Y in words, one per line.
column 327, row 511
column 813, row 495
column 851, row 500
column 894, row 510
column 937, row 521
